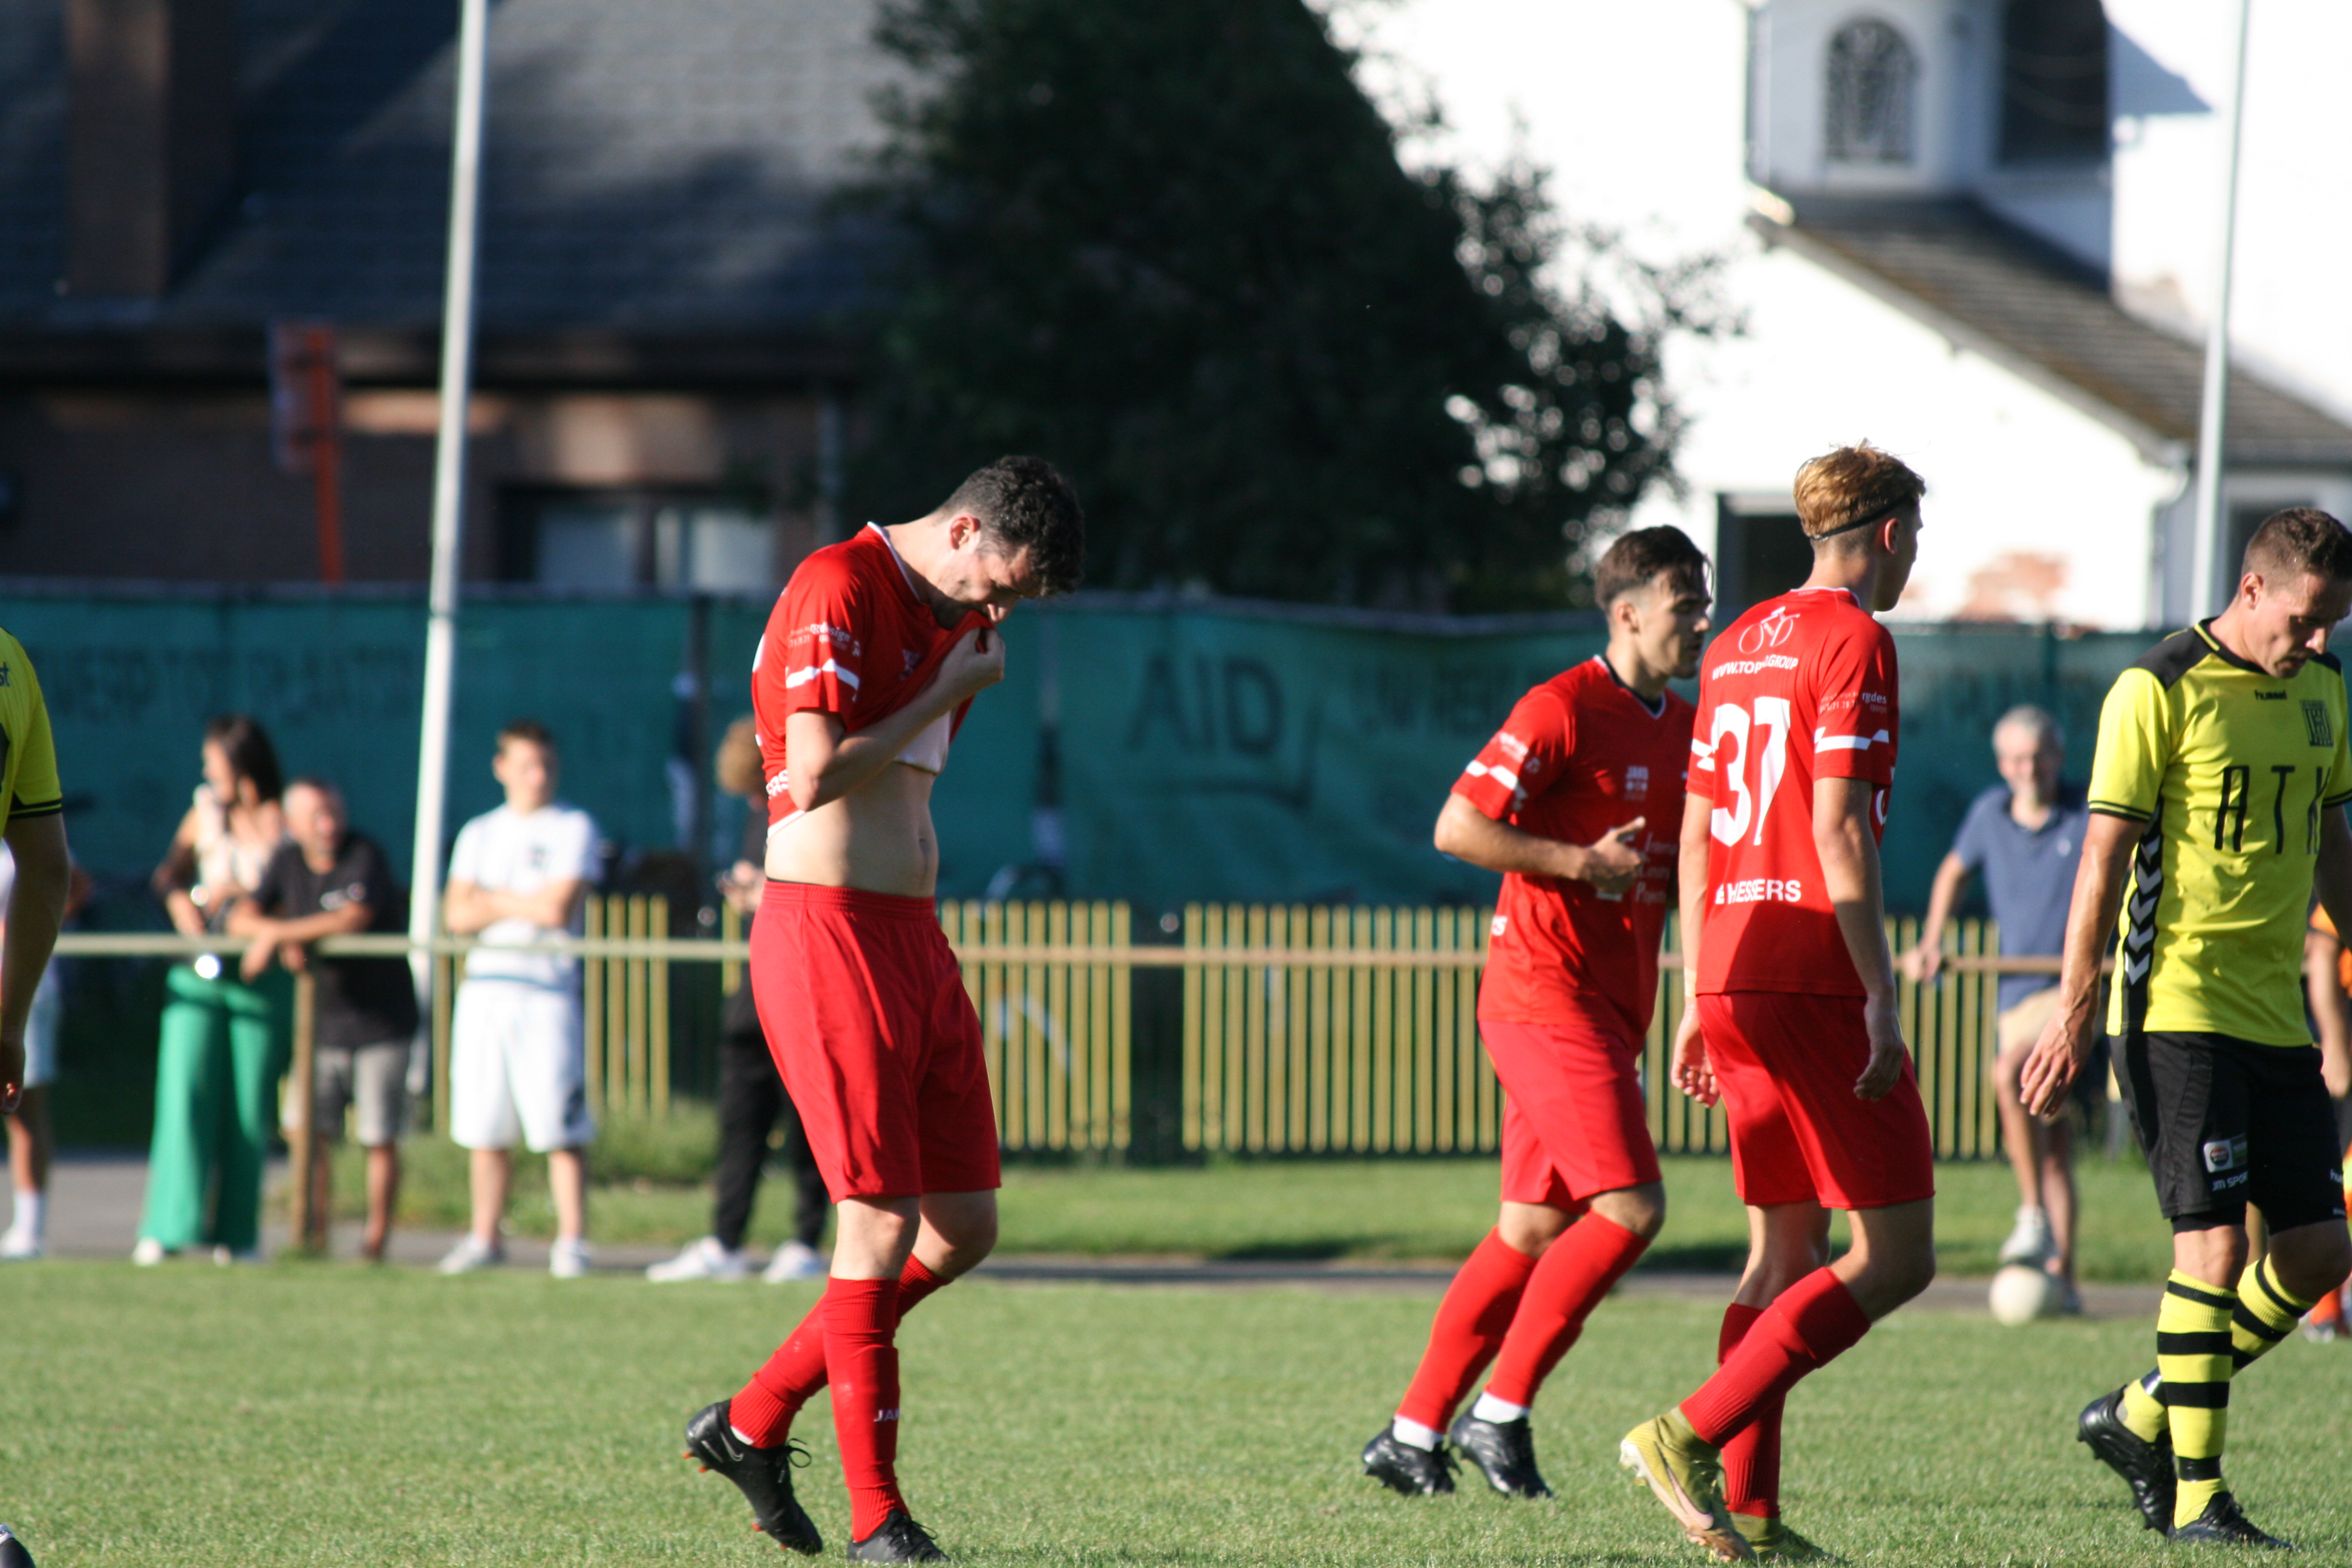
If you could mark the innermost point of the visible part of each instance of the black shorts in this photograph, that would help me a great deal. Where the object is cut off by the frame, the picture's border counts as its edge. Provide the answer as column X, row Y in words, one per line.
column 2226, row 1122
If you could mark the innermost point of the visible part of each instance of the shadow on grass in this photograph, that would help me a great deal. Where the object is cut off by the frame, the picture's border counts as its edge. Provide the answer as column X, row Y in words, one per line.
column 1308, row 1250
column 1696, row 1258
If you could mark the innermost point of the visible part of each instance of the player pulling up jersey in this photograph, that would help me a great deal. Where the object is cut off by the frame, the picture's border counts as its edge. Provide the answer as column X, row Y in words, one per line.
column 2217, row 791
column 876, row 649
column 1793, row 1021
column 1562, row 801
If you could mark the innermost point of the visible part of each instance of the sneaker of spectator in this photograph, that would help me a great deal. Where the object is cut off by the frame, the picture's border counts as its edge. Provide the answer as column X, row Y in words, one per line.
column 569, row 1258
column 795, row 1260
column 470, row 1254
column 709, row 1258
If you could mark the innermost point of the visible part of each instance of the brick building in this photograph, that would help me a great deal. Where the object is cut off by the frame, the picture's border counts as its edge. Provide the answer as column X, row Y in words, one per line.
column 665, row 307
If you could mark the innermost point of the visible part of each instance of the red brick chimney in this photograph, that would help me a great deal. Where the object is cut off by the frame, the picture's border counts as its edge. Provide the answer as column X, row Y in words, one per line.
column 150, row 137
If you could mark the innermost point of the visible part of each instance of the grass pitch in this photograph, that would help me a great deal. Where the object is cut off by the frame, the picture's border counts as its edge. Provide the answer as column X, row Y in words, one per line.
column 1417, row 1209
column 306, row 1414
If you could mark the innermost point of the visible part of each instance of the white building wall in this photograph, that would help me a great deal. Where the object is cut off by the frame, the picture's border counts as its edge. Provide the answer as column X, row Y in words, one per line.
column 2290, row 315
column 2035, row 510
column 1643, row 111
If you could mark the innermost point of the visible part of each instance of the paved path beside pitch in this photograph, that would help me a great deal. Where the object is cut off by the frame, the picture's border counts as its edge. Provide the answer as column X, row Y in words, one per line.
column 94, row 1202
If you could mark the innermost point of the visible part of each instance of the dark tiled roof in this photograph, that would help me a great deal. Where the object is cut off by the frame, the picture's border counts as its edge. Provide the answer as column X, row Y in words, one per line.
column 2021, row 299
column 650, row 165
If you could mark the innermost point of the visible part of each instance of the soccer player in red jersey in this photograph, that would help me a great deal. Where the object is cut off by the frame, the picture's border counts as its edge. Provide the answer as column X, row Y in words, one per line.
column 874, row 651
column 1793, row 1020
column 1560, row 802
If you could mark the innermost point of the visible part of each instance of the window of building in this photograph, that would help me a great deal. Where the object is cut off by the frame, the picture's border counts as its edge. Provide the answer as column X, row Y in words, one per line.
column 1872, row 75
column 2053, row 81
column 624, row 542
column 1760, row 550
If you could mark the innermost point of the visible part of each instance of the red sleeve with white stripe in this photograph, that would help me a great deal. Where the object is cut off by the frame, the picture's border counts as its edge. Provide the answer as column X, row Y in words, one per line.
column 1526, row 757
column 810, row 657
column 1855, row 717
column 813, row 653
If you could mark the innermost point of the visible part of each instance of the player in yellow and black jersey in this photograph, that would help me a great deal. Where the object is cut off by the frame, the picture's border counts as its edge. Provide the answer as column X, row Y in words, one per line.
column 2217, row 798
column 31, row 817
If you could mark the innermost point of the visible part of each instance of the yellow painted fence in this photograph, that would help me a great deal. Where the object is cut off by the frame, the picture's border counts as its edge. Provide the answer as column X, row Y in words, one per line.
column 1294, row 1029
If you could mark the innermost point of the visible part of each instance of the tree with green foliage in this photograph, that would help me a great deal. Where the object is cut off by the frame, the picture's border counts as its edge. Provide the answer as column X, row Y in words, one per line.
column 1171, row 247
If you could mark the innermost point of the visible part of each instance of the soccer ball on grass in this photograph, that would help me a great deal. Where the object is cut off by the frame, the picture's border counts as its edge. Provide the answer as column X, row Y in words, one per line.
column 2022, row 1292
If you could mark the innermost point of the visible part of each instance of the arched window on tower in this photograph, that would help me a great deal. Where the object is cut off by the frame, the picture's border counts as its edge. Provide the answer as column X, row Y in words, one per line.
column 2053, row 81
column 1872, row 75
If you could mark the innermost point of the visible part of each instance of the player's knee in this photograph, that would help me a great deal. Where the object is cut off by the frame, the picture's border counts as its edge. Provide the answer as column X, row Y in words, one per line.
column 1530, row 1229
column 1641, row 1210
column 2313, row 1260
column 1900, row 1271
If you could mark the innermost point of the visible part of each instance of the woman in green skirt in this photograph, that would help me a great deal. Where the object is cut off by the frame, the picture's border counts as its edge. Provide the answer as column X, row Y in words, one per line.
column 223, row 1042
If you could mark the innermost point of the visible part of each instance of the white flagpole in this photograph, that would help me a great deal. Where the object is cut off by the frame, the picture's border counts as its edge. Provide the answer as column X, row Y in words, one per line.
column 448, row 497
column 2212, row 418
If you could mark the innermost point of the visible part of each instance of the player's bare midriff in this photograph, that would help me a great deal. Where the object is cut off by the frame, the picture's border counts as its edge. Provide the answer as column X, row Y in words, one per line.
column 877, row 839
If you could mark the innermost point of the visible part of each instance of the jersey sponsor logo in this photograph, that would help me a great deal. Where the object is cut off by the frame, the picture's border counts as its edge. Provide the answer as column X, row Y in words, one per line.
column 779, row 784
column 1753, row 666
column 1770, row 632
column 1502, row 923
column 845, row 641
column 1637, row 783
column 2224, row 1155
column 1511, row 745
column 888, row 1413
column 1761, row 890
column 2315, row 722
column 2270, row 696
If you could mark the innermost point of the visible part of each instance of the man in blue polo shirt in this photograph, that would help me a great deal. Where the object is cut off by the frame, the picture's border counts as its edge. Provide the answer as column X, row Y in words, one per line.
column 2026, row 835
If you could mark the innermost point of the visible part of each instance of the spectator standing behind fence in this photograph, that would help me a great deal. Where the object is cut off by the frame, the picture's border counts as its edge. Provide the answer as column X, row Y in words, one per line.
column 327, row 880
column 223, row 1042
column 30, row 1143
column 517, row 1068
column 751, row 1096
column 2026, row 835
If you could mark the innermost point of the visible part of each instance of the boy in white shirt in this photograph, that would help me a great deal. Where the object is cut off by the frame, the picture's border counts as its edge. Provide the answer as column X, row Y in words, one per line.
column 517, row 1068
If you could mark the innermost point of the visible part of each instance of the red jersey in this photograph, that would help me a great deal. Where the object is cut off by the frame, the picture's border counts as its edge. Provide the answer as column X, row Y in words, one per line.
column 1800, row 688
column 1581, row 755
column 850, row 636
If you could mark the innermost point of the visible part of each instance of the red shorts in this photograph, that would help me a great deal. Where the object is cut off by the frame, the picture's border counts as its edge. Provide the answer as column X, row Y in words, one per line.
column 1573, row 1123
column 867, row 1018
column 1787, row 1065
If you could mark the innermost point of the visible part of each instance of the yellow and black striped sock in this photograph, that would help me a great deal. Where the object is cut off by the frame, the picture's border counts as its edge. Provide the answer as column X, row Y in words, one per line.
column 2266, row 1314
column 2143, row 1406
column 2195, row 1354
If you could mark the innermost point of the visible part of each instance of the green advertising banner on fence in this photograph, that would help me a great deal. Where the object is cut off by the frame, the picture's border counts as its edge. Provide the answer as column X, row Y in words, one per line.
column 1156, row 750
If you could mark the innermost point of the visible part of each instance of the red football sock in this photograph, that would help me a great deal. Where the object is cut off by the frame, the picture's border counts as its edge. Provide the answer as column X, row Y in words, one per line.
column 1752, row 1456
column 1814, row 1321
column 1471, row 1323
column 764, row 1412
column 1568, row 1282
column 861, row 1316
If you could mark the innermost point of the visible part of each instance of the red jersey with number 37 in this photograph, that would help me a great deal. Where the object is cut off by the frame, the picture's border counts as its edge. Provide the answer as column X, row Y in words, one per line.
column 1801, row 687
column 1581, row 755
